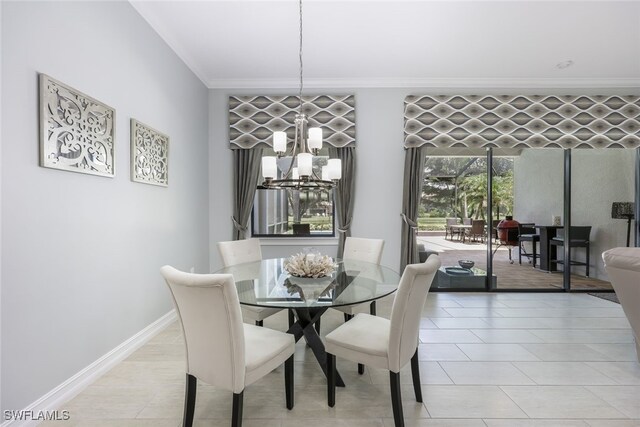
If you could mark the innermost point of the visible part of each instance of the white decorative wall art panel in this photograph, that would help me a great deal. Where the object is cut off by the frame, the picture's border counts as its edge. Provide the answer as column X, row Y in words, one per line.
column 77, row 132
column 508, row 121
column 149, row 155
column 253, row 119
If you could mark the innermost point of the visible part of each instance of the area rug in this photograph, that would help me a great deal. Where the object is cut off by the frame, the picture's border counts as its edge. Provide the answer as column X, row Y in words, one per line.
column 609, row 296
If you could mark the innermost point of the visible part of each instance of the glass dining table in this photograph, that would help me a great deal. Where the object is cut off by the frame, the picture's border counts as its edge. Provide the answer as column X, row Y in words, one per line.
column 266, row 283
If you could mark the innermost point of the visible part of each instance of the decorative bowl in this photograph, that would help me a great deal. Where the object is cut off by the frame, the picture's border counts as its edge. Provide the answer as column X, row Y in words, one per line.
column 466, row 263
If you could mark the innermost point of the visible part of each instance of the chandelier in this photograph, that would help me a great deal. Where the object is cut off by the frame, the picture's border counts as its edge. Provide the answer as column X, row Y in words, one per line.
column 307, row 143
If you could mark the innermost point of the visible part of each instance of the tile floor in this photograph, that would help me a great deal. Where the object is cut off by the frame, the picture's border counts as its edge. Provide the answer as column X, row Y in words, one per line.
column 492, row 360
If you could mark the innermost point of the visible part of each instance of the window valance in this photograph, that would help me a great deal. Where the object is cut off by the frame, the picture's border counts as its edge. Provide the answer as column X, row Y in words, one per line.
column 253, row 119
column 522, row 121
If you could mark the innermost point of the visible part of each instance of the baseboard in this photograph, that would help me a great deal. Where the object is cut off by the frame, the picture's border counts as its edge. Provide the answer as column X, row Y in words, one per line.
column 66, row 391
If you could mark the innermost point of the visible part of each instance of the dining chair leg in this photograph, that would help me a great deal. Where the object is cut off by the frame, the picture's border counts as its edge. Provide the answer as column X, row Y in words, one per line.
column 372, row 308
column 236, row 416
column 331, row 380
column 396, row 399
column 189, row 400
column 346, row 317
column 317, row 325
column 360, row 368
column 259, row 322
column 520, row 254
column 588, row 259
column 415, row 374
column 288, row 382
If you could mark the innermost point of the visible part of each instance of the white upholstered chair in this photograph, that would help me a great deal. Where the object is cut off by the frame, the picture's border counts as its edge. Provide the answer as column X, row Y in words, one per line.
column 221, row 350
column 623, row 268
column 359, row 249
column 240, row 252
column 383, row 343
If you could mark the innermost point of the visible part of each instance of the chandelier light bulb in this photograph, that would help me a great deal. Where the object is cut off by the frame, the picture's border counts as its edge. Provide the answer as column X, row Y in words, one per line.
column 305, row 164
column 315, row 138
column 325, row 173
column 269, row 167
column 335, row 168
column 279, row 142
column 294, row 173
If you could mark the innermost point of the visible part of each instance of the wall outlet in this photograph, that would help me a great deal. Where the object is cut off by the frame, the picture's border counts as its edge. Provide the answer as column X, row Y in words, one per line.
column 192, row 270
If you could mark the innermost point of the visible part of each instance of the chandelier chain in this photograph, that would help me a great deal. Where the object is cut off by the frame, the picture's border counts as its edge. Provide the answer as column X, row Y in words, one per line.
column 300, row 55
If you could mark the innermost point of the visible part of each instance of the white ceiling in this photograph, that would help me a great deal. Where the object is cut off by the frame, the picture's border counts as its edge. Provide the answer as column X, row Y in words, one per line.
column 242, row 43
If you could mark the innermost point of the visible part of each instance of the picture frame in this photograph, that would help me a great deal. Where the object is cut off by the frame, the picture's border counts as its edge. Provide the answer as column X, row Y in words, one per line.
column 77, row 132
column 149, row 155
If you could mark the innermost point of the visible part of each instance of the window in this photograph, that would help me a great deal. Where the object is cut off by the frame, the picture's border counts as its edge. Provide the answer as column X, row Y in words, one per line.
column 294, row 213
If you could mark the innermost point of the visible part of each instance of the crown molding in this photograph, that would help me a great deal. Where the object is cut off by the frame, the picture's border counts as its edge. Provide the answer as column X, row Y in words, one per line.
column 532, row 83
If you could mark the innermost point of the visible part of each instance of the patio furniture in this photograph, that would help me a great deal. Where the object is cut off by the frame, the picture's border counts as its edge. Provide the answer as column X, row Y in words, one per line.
column 386, row 344
column 547, row 252
column 221, row 350
column 476, row 231
column 580, row 236
column 527, row 233
column 450, row 229
column 623, row 268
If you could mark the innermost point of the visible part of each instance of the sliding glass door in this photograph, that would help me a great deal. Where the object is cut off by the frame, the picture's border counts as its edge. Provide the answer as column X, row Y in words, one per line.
column 520, row 239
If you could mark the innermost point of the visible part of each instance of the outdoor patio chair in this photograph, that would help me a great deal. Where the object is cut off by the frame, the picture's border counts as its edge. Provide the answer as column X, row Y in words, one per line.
column 476, row 231
column 579, row 239
column 527, row 233
column 450, row 229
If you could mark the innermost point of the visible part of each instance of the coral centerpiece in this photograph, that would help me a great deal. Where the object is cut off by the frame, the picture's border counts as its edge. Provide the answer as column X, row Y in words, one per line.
column 310, row 265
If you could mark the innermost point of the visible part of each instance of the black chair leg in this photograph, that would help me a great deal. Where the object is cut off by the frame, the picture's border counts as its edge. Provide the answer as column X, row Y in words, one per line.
column 396, row 399
column 236, row 416
column 360, row 368
column 415, row 374
column 372, row 308
column 331, row 380
column 346, row 317
column 317, row 325
column 189, row 400
column 534, row 253
column 259, row 322
column 288, row 382
column 520, row 254
column 588, row 259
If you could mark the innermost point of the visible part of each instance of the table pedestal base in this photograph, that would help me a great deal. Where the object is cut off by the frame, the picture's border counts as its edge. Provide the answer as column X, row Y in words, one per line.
column 303, row 327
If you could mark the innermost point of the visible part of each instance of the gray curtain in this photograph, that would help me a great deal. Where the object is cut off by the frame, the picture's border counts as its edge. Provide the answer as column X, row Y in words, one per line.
column 246, row 175
column 411, row 194
column 345, row 192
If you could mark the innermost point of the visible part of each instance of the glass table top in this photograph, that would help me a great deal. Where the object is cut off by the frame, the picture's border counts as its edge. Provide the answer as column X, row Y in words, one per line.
column 267, row 284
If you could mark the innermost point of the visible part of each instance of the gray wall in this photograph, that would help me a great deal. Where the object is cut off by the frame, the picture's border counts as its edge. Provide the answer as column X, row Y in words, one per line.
column 598, row 178
column 80, row 253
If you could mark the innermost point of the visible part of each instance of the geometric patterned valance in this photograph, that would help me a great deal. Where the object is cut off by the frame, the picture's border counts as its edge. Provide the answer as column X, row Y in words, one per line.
column 253, row 119
column 522, row 121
